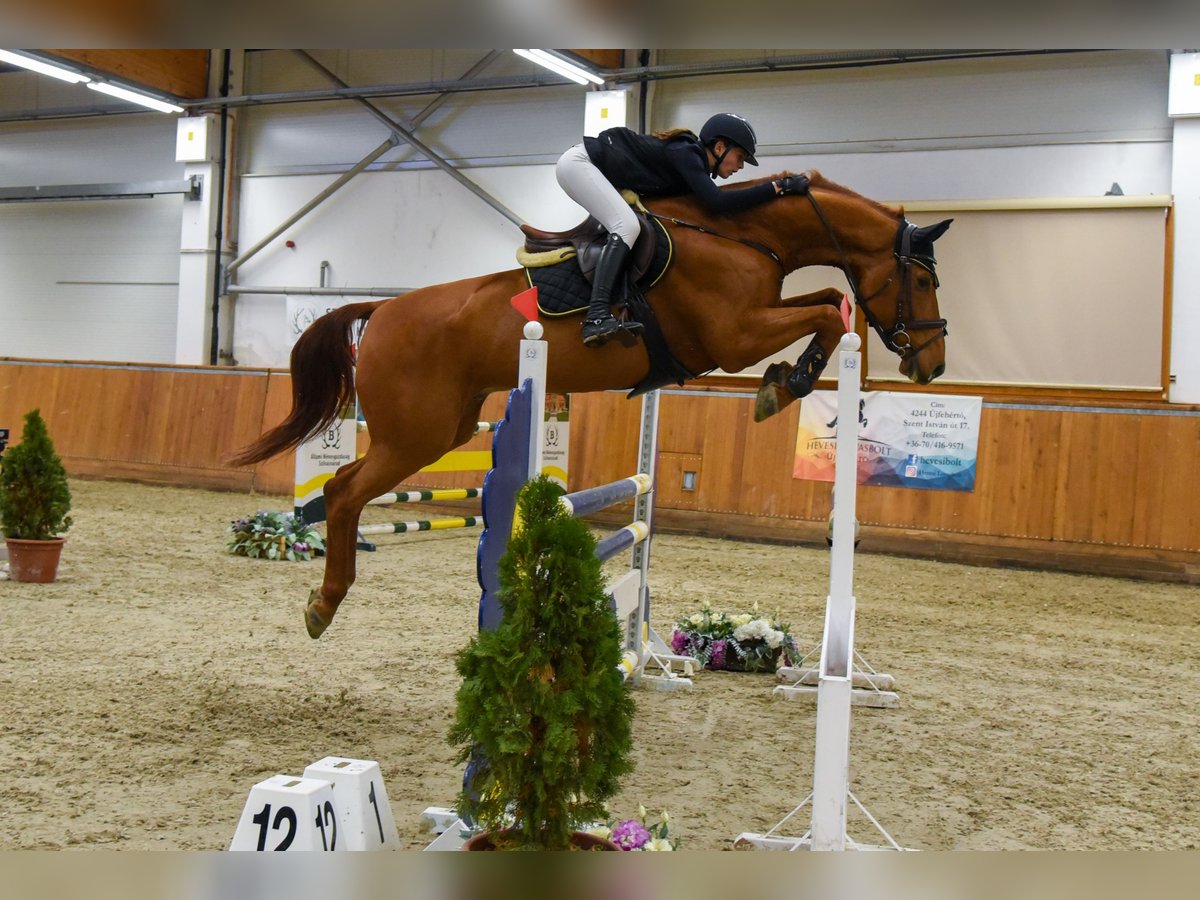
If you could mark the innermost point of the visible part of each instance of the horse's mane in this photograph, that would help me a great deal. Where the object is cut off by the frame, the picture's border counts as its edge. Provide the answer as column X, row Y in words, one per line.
column 819, row 182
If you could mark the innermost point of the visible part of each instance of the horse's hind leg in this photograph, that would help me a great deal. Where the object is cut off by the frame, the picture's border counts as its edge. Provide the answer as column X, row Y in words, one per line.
column 345, row 496
column 388, row 461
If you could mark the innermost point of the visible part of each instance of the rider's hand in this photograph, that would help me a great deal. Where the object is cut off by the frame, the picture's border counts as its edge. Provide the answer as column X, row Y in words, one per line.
column 792, row 184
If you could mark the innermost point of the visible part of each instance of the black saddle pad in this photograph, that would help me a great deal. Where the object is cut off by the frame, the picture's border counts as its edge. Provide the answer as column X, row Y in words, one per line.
column 563, row 291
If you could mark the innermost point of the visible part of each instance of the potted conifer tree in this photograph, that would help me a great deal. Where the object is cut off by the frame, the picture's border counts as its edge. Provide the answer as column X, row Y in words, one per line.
column 543, row 717
column 34, row 502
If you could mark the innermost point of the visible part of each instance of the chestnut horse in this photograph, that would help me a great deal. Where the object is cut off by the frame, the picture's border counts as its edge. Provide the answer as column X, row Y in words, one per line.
column 430, row 358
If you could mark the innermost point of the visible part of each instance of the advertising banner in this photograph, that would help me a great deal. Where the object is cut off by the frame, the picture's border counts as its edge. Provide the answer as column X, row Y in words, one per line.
column 921, row 441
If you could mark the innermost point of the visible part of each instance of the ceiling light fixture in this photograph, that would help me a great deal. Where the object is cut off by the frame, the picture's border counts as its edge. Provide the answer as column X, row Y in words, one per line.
column 154, row 103
column 558, row 64
column 42, row 68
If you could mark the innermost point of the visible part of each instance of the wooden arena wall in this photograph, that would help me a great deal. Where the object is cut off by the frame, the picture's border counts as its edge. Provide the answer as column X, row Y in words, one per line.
column 1073, row 487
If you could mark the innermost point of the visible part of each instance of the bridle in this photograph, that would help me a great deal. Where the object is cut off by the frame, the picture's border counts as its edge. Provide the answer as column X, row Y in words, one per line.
column 897, row 338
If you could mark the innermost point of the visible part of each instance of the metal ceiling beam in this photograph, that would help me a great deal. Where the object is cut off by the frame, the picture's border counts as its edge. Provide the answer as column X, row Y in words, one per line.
column 812, row 62
column 497, row 83
column 396, row 134
column 405, row 133
column 752, row 65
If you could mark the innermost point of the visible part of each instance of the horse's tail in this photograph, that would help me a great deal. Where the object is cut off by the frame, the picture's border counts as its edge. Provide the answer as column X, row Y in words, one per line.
column 322, row 382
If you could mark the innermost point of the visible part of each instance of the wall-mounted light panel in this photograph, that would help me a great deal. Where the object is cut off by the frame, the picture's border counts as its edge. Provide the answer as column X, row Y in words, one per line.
column 1183, row 90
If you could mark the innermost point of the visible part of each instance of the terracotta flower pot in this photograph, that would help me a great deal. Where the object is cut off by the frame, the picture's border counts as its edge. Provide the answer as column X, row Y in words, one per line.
column 580, row 840
column 33, row 561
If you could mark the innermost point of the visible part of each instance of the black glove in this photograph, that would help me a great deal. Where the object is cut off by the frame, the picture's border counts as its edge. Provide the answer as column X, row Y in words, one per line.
column 793, row 184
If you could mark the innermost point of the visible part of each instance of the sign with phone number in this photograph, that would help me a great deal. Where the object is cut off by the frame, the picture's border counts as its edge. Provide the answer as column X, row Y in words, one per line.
column 924, row 441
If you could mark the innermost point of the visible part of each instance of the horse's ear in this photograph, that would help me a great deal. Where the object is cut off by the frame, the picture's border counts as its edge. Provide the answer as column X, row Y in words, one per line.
column 931, row 233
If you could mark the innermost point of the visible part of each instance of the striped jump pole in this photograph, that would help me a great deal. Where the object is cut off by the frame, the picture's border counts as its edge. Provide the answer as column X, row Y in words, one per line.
column 632, row 534
column 422, row 525
column 425, row 496
column 480, row 427
column 586, row 502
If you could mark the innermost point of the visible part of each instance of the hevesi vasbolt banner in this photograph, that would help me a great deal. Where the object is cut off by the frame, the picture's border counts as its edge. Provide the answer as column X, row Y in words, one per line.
column 922, row 441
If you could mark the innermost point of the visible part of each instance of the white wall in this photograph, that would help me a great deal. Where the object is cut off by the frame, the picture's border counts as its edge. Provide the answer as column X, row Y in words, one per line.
column 400, row 230
column 92, row 279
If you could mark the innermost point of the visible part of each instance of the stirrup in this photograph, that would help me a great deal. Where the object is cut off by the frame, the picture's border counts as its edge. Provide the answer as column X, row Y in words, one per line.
column 596, row 332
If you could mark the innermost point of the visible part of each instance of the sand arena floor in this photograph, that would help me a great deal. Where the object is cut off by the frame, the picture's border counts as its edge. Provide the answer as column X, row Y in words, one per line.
column 158, row 679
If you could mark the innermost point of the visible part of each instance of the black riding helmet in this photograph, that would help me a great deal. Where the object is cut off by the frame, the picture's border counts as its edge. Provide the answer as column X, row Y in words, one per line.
column 735, row 130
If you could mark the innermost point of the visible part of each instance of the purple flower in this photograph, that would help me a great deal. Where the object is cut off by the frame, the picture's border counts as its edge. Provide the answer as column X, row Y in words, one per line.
column 300, row 547
column 679, row 641
column 630, row 834
column 717, row 658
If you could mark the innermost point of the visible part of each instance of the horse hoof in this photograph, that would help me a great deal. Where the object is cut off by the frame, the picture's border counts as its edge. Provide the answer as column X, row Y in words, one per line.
column 766, row 403
column 313, row 622
column 771, row 396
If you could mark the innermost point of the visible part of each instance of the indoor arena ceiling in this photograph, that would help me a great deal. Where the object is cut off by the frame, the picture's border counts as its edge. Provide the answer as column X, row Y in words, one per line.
column 184, row 74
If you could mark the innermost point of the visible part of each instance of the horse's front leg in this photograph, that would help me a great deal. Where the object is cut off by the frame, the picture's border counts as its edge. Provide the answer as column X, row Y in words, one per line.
column 784, row 382
column 824, row 297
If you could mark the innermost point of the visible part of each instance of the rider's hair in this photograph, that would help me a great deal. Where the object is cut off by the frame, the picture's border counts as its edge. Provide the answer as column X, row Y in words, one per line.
column 672, row 132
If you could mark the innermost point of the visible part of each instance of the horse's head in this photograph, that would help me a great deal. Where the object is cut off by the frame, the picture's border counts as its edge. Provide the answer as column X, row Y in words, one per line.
column 890, row 265
column 904, row 309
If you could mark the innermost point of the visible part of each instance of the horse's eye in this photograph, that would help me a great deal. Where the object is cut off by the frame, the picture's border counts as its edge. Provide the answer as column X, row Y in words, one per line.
column 924, row 282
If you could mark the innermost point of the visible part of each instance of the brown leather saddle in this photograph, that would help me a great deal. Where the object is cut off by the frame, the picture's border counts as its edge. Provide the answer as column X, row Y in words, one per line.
column 584, row 242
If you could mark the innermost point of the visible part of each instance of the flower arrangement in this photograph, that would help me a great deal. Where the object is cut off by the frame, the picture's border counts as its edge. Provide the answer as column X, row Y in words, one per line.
column 740, row 642
column 274, row 535
column 636, row 834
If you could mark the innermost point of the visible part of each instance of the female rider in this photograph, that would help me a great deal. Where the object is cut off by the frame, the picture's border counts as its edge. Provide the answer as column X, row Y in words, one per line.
column 665, row 164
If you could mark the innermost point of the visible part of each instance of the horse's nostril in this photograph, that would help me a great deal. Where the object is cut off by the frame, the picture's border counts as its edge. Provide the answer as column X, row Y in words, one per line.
column 938, row 370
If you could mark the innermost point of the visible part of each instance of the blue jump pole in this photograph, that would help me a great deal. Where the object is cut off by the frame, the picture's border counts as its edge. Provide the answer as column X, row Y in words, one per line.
column 582, row 503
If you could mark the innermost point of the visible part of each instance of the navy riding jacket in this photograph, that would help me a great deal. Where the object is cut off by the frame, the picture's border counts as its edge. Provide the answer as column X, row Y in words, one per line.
column 654, row 167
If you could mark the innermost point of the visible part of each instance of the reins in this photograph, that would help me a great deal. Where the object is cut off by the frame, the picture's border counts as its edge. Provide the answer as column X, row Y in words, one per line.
column 704, row 229
column 897, row 339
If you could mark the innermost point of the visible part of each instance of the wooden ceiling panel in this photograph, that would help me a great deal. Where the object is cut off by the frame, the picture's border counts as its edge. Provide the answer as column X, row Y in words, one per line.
column 605, row 59
column 183, row 73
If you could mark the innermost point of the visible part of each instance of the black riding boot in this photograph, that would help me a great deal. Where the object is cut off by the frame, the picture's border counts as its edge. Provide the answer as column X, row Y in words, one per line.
column 599, row 324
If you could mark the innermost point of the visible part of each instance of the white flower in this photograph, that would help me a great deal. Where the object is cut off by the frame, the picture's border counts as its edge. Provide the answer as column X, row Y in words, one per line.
column 642, row 812
column 739, row 621
column 754, row 630
column 696, row 619
column 659, row 844
column 759, row 630
column 665, row 818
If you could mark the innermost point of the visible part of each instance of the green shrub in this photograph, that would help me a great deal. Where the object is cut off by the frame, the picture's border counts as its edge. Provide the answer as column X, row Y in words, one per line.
column 34, row 496
column 543, row 715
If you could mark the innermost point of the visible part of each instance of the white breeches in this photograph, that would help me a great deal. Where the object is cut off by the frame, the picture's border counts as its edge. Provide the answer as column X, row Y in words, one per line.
column 586, row 185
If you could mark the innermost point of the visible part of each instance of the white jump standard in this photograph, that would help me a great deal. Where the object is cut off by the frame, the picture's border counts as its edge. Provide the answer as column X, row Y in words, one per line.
column 831, row 762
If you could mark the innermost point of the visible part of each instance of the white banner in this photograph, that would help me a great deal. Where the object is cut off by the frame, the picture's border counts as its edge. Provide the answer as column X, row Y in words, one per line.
column 904, row 440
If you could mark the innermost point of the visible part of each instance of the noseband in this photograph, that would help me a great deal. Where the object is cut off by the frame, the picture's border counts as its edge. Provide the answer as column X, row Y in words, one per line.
column 897, row 338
